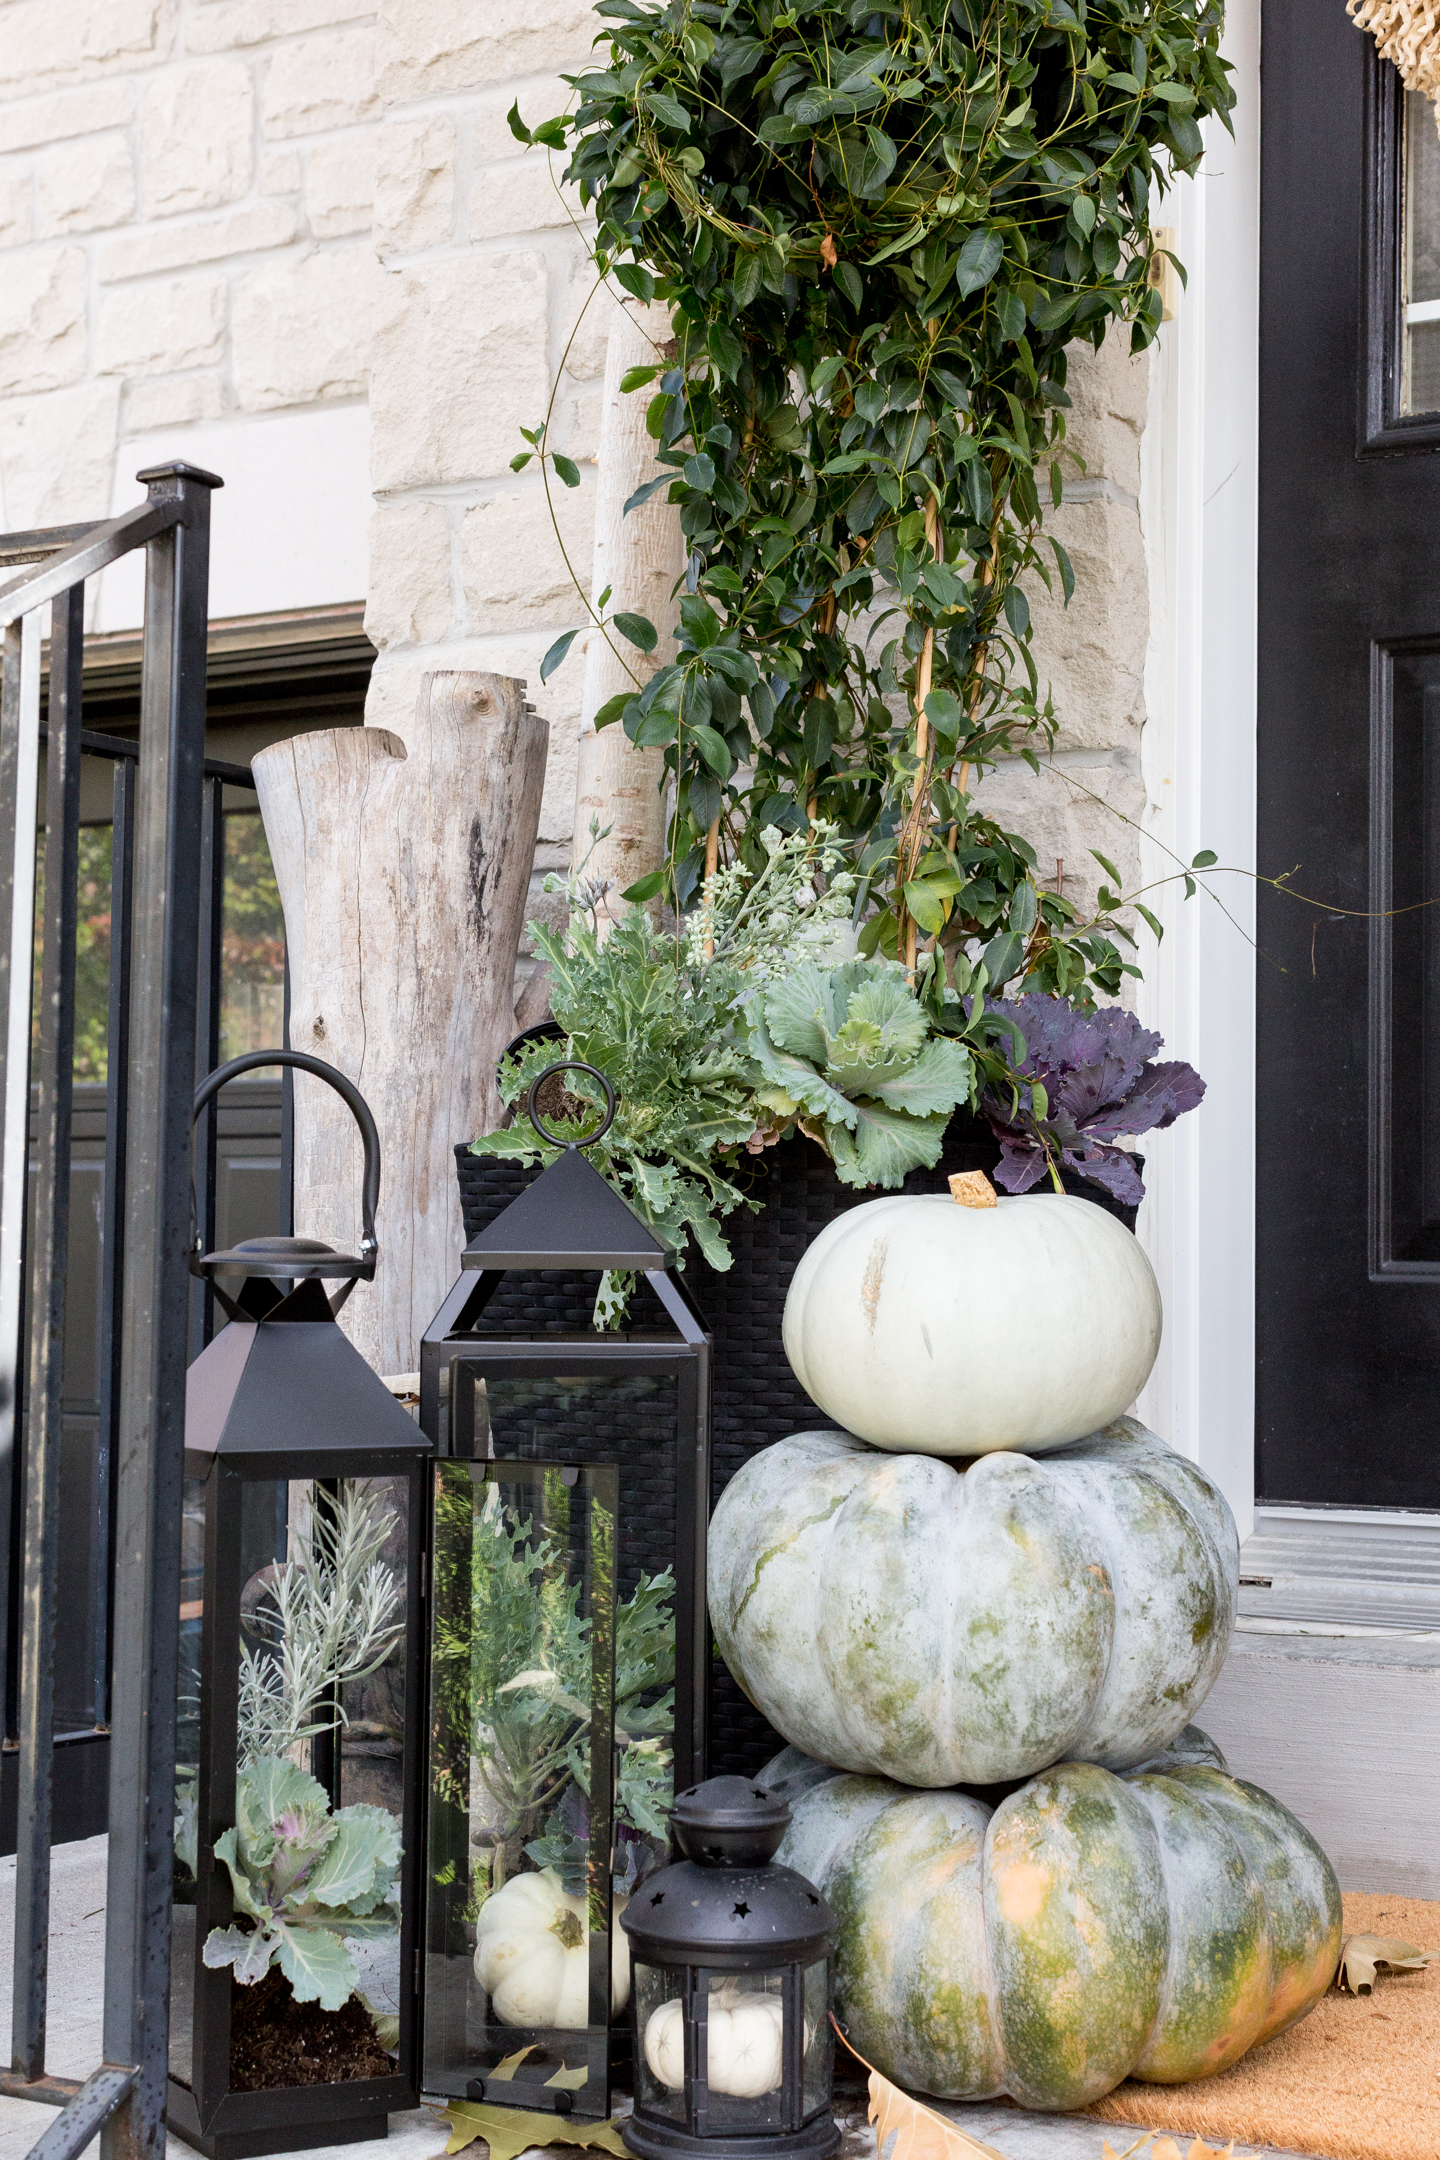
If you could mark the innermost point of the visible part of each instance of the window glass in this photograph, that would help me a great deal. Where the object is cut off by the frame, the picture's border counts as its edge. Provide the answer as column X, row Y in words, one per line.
column 1420, row 391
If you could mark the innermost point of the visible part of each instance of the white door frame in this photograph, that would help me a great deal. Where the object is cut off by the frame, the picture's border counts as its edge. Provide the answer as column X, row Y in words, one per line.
column 1199, row 501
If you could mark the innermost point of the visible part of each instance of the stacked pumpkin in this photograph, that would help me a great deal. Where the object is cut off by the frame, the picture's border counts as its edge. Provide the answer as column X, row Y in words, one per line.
column 983, row 1614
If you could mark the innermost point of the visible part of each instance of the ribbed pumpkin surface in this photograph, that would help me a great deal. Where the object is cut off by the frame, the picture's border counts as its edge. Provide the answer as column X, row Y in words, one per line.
column 946, row 1625
column 1091, row 1927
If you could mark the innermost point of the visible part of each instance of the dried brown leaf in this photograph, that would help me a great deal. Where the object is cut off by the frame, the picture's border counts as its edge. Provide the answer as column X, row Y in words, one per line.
column 511, row 2131
column 1165, row 2148
column 904, row 2130
column 1362, row 1956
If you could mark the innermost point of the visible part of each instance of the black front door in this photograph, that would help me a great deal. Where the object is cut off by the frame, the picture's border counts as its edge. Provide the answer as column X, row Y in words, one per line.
column 1348, row 1095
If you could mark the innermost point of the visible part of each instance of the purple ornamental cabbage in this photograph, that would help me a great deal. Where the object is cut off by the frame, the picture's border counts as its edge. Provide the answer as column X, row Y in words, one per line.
column 1099, row 1084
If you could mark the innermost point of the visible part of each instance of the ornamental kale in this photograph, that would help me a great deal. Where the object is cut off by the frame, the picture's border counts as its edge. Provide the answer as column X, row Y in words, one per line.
column 303, row 1879
column 847, row 1053
column 1084, row 1081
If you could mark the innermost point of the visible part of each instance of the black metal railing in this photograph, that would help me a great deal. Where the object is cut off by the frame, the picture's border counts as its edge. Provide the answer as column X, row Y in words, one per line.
column 167, row 863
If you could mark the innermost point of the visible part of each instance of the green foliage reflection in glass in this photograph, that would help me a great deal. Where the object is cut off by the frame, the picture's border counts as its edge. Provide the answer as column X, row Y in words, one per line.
column 877, row 227
column 512, row 1682
column 252, row 956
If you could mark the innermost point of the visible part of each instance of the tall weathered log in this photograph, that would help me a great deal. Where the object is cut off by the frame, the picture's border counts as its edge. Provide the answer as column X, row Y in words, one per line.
column 403, row 869
column 641, row 558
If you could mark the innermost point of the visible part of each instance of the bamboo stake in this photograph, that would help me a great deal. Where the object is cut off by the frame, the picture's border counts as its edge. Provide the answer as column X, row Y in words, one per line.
column 915, row 821
column 712, row 864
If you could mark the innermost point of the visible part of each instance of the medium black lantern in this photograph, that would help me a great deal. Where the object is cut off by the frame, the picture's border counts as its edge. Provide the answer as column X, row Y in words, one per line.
column 297, row 1832
column 730, row 1989
column 568, row 1631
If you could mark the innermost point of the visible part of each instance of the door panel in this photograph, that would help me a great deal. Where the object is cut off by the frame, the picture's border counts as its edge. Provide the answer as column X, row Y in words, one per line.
column 1348, row 1097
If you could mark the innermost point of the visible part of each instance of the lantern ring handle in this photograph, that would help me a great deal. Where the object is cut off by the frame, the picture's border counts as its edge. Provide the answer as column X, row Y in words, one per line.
column 569, row 1065
column 359, row 1109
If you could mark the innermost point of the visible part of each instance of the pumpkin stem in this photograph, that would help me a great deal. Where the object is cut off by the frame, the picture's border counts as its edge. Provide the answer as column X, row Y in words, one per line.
column 567, row 1927
column 971, row 1188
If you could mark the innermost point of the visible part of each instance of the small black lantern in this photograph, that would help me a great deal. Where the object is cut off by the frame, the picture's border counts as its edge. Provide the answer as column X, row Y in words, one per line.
column 731, row 1986
column 570, row 1499
column 298, row 1822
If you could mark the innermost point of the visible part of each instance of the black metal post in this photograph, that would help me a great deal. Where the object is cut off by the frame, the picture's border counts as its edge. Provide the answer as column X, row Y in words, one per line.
column 19, row 719
column 49, row 1256
column 117, row 1102
column 207, row 1044
column 150, row 1482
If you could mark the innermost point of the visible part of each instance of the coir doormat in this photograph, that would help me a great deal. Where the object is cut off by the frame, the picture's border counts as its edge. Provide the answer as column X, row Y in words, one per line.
column 1358, row 2079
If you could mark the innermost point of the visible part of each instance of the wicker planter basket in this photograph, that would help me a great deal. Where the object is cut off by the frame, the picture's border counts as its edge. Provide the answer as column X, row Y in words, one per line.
column 757, row 1398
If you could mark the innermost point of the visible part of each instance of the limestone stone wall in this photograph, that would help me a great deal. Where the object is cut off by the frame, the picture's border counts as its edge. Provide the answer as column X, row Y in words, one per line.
column 185, row 210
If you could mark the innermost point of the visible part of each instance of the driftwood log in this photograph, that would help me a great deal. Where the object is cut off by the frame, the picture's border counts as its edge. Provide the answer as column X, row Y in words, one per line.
column 642, row 559
column 403, row 869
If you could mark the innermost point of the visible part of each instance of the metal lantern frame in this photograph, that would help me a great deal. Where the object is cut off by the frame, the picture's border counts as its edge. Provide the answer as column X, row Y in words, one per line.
column 570, row 1218
column 282, row 1365
column 725, row 1911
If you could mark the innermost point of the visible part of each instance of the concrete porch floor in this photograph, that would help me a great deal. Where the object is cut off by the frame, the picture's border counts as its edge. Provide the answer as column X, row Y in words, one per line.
column 77, row 1924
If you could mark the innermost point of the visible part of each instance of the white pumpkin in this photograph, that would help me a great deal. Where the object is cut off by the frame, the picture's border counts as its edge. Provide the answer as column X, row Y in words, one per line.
column 933, row 1328
column 532, row 1954
column 743, row 2049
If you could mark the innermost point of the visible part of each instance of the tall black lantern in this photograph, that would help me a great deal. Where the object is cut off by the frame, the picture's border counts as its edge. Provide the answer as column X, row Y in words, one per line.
column 297, row 1833
column 570, row 1506
column 731, row 1986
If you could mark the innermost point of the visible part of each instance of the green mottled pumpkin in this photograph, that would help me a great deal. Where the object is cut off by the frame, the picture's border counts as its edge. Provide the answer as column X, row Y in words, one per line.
column 952, row 1625
column 1089, row 1928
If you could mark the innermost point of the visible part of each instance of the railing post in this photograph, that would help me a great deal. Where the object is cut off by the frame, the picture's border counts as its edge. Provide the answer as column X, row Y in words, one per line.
column 150, row 1480
column 49, row 1258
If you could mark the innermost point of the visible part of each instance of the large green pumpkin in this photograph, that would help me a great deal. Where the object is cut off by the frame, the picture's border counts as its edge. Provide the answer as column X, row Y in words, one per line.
column 951, row 1625
column 1089, row 1928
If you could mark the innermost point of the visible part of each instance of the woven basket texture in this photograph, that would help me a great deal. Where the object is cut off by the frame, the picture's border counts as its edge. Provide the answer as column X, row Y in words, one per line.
column 757, row 1398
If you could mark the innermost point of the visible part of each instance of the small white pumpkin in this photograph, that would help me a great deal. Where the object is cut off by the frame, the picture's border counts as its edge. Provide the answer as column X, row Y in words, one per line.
column 932, row 1328
column 532, row 1954
column 744, row 2044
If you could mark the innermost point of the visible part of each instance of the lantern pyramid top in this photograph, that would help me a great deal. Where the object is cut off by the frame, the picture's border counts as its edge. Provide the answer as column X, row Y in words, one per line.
column 568, row 1218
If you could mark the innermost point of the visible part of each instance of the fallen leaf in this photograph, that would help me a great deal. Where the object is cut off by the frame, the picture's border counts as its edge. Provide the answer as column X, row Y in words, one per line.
column 904, row 2130
column 569, row 2080
column 1361, row 1956
column 1167, row 2149
column 828, row 254
column 511, row 2131
column 509, row 2064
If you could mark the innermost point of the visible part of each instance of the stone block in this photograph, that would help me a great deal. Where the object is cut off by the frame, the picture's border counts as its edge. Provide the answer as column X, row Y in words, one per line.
column 1071, row 805
column 340, row 185
column 173, row 401
column 522, row 196
column 279, row 172
column 160, row 327
column 415, row 184
column 460, row 368
column 1093, row 652
column 83, row 186
column 46, row 44
column 196, row 126
column 227, row 27
column 425, row 48
column 1109, row 398
column 302, row 329
column 17, row 221
column 576, row 427
column 410, row 578
column 57, row 455
column 75, row 112
column 321, row 83
column 511, row 561
column 42, row 320
column 252, row 230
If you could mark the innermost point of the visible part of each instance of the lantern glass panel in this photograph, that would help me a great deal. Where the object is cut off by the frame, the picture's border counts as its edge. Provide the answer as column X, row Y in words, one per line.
column 521, row 1949
column 293, row 1614
column 745, row 2050
column 819, row 2044
column 660, row 2022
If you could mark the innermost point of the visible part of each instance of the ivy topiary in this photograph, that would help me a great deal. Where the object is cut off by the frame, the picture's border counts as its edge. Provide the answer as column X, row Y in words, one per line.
column 877, row 225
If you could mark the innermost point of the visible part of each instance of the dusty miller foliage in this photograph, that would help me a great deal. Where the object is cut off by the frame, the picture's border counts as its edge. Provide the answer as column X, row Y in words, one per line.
column 331, row 1614
column 877, row 225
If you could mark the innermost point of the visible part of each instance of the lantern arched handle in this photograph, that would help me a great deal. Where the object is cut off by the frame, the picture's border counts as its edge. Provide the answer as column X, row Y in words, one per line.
column 363, row 1265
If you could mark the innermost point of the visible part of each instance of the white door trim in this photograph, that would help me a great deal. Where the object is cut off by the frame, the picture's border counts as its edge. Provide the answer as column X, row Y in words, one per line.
column 1199, row 486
